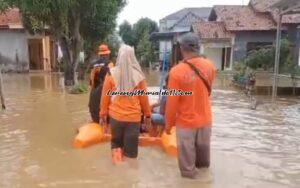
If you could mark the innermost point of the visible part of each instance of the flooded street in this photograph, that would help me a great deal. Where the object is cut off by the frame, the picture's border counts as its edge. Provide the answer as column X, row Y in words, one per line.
column 250, row 149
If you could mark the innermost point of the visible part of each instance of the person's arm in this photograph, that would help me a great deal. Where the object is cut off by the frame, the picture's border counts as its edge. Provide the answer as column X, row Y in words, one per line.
column 144, row 101
column 105, row 99
column 172, row 103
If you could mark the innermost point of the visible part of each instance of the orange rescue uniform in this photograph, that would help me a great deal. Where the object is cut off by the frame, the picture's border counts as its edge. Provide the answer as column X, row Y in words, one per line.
column 124, row 108
column 192, row 111
column 94, row 70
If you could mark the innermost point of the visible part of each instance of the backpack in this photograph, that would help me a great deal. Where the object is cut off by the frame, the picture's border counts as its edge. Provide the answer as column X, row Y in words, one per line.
column 96, row 91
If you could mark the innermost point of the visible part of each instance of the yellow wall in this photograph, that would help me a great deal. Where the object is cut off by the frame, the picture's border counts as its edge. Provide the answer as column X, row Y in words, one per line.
column 46, row 53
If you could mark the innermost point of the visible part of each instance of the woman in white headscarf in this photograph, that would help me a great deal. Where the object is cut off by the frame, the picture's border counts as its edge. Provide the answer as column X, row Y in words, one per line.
column 124, row 111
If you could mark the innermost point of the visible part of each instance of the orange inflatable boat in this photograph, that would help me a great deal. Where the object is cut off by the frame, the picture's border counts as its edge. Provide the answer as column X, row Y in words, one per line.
column 88, row 135
column 169, row 143
column 91, row 134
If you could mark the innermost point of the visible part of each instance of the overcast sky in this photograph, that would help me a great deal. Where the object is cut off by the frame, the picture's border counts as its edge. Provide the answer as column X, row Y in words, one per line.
column 157, row 9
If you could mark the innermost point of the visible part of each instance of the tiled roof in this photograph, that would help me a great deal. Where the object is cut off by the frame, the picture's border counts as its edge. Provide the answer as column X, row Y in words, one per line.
column 202, row 12
column 263, row 5
column 287, row 19
column 243, row 18
column 211, row 30
column 266, row 6
column 10, row 17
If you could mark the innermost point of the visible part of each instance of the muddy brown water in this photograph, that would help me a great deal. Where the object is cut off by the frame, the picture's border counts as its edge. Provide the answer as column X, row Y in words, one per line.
column 250, row 149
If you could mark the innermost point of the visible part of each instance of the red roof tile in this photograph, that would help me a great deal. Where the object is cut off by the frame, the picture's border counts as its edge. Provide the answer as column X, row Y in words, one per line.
column 243, row 18
column 211, row 30
column 264, row 6
column 10, row 17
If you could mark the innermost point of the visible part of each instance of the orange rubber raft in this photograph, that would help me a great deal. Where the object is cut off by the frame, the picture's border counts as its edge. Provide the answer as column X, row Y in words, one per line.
column 91, row 134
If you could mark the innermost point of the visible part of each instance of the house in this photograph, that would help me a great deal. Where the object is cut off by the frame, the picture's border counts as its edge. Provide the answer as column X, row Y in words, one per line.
column 175, row 24
column 290, row 19
column 235, row 30
column 22, row 52
column 216, row 42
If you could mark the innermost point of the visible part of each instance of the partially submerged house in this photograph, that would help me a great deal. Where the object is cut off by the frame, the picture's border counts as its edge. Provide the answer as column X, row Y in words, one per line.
column 173, row 25
column 22, row 52
column 290, row 19
column 232, row 31
column 216, row 43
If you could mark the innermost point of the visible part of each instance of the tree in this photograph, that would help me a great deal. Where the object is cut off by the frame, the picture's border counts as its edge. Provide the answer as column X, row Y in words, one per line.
column 126, row 33
column 264, row 57
column 145, row 48
column 3, row 5
column 144, row 26
column 76, row 24
column 113, row 42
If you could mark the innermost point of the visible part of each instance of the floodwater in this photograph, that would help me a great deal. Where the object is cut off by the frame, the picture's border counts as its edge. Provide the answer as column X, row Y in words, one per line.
column 250, row 149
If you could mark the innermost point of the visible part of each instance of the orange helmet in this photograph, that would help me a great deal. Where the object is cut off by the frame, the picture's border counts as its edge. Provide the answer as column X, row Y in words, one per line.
column 103, row 50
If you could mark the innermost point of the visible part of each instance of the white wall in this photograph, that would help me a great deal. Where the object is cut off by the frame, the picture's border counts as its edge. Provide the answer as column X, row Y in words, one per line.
column 14, row 42
column 163, row 47
column 215, row 55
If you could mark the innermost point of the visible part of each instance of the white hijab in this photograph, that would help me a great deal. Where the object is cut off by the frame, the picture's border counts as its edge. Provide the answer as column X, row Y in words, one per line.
column 127, row 73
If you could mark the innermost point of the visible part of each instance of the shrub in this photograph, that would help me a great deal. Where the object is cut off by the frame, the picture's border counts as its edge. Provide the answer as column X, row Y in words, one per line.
column 79, row 88
column 262, row 58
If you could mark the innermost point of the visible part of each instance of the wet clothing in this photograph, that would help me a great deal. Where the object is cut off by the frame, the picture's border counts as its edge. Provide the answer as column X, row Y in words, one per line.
column 124, row 108
column 192, row 111
column 158, row 115
column 125, row 111
column 125, row 135
column 95, row 97
column 192, row 114
column 158, row 119
column 193, row 149
column 97, row 69
column 127, row 73
column 97, row 79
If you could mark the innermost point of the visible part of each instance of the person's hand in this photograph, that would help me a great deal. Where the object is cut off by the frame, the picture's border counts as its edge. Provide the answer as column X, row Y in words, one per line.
column 3, row 107
column 148, row 122
column 168, row 130
column 103, row 121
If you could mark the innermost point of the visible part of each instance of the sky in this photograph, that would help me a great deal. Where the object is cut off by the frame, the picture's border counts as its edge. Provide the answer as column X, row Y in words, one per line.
column 157, row 9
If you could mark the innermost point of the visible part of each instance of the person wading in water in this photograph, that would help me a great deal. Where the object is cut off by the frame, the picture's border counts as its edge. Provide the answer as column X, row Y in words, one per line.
column 1, row 92
column 192, row 114
column 100, row 69
column 125, row 111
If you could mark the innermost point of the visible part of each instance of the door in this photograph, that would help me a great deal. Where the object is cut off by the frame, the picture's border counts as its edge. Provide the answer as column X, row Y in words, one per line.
column 35, row 47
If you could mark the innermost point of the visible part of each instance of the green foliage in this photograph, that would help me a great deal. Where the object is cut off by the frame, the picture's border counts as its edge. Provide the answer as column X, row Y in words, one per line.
column 145, row 50
column 79, row 88
column 127, row 34
column 262, row 58
column 138, row 36
column 76, row 24
column 240, row 73
column 3, row 5
column 143, row 27
column 113, row 42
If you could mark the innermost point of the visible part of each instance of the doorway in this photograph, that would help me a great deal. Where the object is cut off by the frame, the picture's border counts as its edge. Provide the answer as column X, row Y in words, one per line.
column 35, row 48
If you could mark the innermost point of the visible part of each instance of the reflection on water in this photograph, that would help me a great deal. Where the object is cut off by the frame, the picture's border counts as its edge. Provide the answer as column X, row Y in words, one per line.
column 249, row 148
